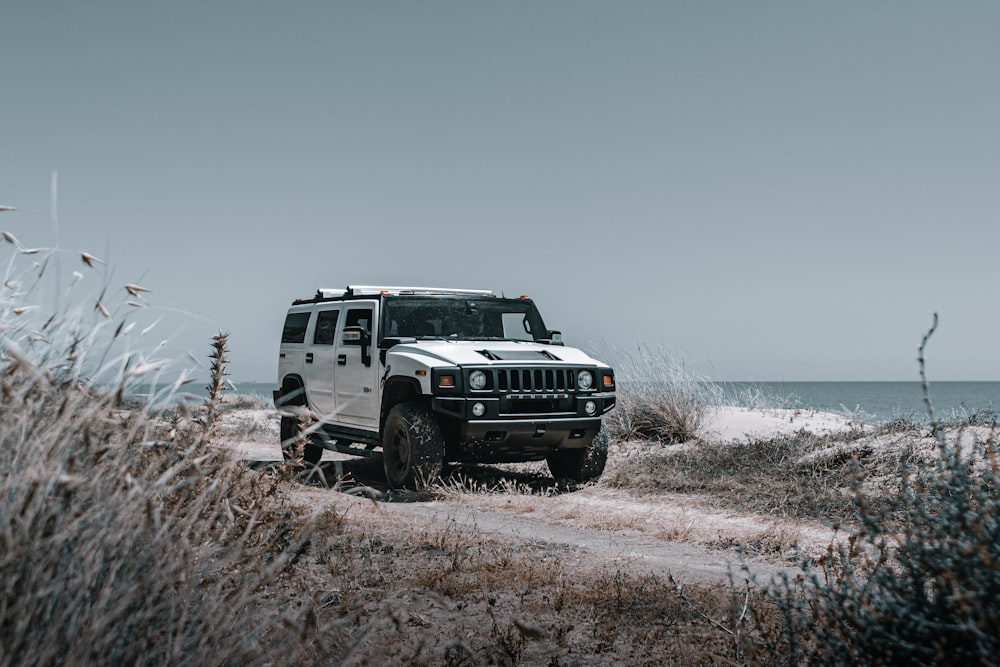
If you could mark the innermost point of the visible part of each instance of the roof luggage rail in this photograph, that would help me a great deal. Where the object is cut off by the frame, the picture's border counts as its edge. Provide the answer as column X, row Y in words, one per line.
column 376, row 290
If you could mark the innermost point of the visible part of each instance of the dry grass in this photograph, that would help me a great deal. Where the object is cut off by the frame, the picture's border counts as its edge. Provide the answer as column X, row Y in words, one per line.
column 659, row 399
column 125, row 536
column 481, row 601
column 119, row 547
column 756, row 477
column 919, row 580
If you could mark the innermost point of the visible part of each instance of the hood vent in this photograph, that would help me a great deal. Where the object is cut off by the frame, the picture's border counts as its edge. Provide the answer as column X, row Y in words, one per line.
column 518, row 355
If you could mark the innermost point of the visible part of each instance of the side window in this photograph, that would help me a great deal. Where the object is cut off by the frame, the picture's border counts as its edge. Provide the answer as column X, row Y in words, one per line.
column 326, row 325
column 359, row 317
column 295, row 328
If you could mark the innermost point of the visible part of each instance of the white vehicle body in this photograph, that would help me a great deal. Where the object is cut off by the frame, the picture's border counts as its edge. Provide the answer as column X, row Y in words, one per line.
column 497, row 385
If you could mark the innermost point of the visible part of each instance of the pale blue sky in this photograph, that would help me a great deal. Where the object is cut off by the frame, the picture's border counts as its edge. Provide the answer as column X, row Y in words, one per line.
column 774, row 190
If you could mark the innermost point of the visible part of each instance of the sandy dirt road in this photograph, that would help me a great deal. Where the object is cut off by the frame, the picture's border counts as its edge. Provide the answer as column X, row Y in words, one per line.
column 597, row 525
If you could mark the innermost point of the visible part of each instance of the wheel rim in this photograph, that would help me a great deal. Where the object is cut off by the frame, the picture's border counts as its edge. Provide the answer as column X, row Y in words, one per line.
column 401, row 454
column 289, row 430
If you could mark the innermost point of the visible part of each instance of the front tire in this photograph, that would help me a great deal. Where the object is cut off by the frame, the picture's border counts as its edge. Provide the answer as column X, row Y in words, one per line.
column 412, row 446
column 581, row 465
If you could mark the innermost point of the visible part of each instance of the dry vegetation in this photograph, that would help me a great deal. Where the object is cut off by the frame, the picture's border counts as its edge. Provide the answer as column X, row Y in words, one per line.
column 130, row 535
column 664, row 402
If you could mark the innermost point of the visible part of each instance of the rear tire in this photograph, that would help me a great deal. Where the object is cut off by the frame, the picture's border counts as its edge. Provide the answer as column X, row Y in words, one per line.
column 581, row 465
column 292, row 442
column 412, row 446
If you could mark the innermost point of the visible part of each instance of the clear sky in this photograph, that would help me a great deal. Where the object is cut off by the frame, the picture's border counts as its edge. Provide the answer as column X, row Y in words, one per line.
column 775, row 190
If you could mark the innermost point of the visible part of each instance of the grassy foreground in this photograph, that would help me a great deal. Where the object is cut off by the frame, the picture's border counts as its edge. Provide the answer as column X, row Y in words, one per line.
column 130, row 535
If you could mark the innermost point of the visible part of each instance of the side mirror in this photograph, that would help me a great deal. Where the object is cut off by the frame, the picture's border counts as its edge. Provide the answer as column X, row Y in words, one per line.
column 353, row 336
column 358, row 337
column 552, row 338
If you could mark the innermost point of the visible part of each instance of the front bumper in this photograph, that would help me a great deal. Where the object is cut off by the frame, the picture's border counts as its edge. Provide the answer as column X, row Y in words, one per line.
column 558, row 406
column 519, row 428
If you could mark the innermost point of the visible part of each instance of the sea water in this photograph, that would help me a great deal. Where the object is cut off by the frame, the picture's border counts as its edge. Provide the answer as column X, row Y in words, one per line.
column 876, row 402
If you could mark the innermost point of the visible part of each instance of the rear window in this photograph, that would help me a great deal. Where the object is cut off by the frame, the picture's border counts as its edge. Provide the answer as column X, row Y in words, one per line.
column 326, row 324
column 295, row 328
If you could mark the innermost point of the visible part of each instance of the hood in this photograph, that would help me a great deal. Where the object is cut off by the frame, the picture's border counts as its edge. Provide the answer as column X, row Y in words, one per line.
column 493, row 353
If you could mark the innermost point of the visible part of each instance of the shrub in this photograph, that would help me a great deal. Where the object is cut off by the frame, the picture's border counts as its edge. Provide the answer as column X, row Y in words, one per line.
column 919, row 583
column 658, row 398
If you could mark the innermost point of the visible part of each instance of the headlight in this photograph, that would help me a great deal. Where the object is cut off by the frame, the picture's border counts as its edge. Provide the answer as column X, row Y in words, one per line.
column 477, row 380
column 584, row 380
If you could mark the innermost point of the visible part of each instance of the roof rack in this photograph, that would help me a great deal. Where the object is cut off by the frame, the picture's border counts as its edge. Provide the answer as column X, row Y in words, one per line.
column 375, row 290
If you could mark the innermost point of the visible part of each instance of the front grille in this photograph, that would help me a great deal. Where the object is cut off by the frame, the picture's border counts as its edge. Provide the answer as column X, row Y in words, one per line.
column 535, row 380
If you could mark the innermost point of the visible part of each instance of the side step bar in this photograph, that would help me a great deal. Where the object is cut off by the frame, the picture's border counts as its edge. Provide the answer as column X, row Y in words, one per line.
column 336, row 442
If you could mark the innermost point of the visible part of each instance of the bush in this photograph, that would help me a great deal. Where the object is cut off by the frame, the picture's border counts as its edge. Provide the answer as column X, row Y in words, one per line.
column 918, row 583
column 658, row 398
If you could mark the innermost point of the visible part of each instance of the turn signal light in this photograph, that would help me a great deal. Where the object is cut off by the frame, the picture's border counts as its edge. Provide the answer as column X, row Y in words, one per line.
column 608, row 381
column 446, row 381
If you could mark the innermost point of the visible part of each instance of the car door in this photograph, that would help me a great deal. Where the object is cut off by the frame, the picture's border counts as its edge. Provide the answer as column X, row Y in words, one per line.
column 320, row 362
column 357, row 370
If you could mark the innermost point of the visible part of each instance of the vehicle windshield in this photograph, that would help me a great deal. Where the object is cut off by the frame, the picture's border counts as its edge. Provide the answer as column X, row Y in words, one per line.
column 462, row 318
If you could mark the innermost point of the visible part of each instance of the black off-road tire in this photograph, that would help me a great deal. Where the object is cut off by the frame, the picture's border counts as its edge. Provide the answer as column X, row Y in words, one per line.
column 290, row 439
column 412, row 447
column 581, row 465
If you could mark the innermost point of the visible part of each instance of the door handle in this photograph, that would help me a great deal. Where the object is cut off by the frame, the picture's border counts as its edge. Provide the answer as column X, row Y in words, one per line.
column 309, row 357
column 341, row 359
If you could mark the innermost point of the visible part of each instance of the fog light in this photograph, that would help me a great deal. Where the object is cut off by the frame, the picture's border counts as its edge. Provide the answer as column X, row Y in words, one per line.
column 590, row 407
column 478, row 409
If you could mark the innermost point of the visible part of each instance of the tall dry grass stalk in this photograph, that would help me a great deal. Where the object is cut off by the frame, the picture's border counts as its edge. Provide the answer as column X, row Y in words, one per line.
column 217, row 378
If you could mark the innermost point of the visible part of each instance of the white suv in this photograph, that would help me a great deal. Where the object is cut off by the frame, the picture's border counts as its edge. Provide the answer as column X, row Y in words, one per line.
column 438, row 375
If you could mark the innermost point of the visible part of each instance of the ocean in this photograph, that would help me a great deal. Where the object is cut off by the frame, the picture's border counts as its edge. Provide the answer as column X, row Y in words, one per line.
column 876, row 402
column 872, row 402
